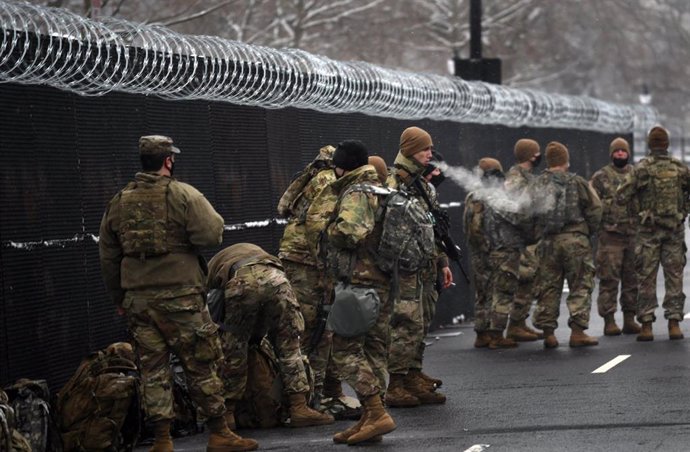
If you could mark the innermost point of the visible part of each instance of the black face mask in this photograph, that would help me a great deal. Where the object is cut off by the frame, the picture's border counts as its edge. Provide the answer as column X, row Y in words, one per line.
column 494, row 174
column 537, row 161
column 436, row 180
column 620, row 163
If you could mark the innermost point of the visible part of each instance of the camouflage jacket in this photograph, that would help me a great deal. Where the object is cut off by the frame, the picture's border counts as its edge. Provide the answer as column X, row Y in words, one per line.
column 615, row 218
column 519, row 179
column 222, row 266
column 190, row 218
column 473, row 224
column 660, row 186
column 294, row 245
column 354, row 232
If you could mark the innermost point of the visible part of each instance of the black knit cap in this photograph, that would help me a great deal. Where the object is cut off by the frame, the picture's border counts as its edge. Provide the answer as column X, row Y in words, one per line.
column 350, row 155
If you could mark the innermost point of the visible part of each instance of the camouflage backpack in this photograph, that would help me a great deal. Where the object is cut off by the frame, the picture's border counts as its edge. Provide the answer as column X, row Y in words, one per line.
column 289, row 204
column 407, row 237
column 664, row 200
column 32, row 415
column 98, row 409
column 10, row 438
column 552, row 188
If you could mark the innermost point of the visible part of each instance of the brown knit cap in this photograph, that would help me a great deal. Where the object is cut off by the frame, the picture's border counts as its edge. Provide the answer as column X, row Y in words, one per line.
column 413, row 140
column 657, row 139
column 618, row 144
column 381, row 168
column 487, row 164
column 525, row 149
column 556, row 154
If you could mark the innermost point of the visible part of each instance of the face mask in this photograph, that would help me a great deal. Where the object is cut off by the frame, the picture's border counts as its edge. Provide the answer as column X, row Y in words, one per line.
column 620, row 163
column 537, row 161
column 494, row 174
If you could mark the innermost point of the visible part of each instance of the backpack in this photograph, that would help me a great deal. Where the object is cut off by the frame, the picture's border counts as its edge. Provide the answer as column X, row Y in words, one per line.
column 10, row 438
column 99, row 407
column 664, row 199
column 32, row 415
column 289, row 204
column 552, row 191
column 407, row 237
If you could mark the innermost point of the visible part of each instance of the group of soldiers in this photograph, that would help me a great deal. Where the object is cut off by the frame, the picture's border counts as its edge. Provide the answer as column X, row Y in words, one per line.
column 329, row 258
column 529, row 233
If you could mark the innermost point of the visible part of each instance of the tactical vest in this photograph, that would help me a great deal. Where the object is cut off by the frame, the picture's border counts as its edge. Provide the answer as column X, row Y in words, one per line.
column 562, row 196
column 144, row 227
column 662, row 202
column 500, row 232
column 615, row 215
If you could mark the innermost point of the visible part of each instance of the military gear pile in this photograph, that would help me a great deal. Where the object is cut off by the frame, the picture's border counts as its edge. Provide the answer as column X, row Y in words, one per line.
column 407, row 238
column 99, row 407
column 30, row 400
column 10, row 438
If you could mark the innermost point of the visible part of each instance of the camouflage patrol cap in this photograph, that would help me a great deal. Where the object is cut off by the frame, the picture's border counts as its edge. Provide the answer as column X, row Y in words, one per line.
column 156, row 144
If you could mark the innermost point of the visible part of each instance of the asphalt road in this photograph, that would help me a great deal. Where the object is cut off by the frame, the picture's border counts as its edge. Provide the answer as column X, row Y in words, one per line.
column 532, row 399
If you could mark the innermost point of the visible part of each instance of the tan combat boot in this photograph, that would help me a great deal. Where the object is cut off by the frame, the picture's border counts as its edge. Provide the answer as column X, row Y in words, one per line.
column 674, row 332
column 482, row 340
column 303, row 416
column 610, row 327
column 550, row 340
column 578, row 338
column 498, row 341
column 222, row 439
column 416, row 376
column 437, row 382
column 646, row 334
column 397, row 395
column 518, row 331
column 163, row 441
column 341, row 437
column 419, row 388
column 377, row 422
column 629, row 325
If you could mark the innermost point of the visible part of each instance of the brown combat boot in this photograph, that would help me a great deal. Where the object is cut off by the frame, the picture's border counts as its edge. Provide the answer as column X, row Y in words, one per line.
column 303, row 416
column 419, row 388
column 377, row 422
column 674, row 332
column 163, row 441
column 222, row 439
column 341, row 437
column 610, row 327
column 498, row 341
column 578, row 338
column 482, row 340
column 550, row 340
column 437, row 382
column 414, row 376
column 397, row 395
column 646, row 334
column 518, row 331
column 629, row 325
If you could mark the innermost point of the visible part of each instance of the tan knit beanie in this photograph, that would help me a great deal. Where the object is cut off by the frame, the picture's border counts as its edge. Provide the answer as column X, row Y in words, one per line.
column 525, row 149
column 413, row 140
column 657, row 140
column 556, row 154
column 618, row 144
column 380, row 165
column 487, row 164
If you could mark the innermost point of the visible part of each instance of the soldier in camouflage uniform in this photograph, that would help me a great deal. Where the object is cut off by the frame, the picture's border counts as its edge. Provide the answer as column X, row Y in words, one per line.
column 565, row 251
column 519, row 180
column 615, row 259
column 407, row 324
column 352, row 238
column 149, row 237
column 259, row 302
column 660, row 185
column 306, row 278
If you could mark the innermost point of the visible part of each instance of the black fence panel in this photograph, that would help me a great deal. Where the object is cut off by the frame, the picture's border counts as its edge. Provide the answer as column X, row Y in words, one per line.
column 63, row 157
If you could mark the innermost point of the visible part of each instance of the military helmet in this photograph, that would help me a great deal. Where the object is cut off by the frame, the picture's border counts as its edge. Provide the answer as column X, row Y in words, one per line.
column 156, row 145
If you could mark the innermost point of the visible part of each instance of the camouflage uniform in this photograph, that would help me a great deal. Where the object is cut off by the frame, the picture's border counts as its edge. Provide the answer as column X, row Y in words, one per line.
column 660, row 238
column 258, row 302
column 361, row 361
column 567, row 253
column 473, row 224
column 152, row 270
column 615, row 259
column 307, row 280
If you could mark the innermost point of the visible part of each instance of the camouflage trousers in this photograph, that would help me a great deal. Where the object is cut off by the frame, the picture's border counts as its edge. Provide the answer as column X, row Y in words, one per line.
column 615, row 262
column 665, row 247
column 566, row 256
column 183, row 326
column 505, row 266
column 308, row 285
column 259, row 302
column 361, row 361
column 429, row 299
column 407, row 324
column 525, row 293
column 481, row 278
